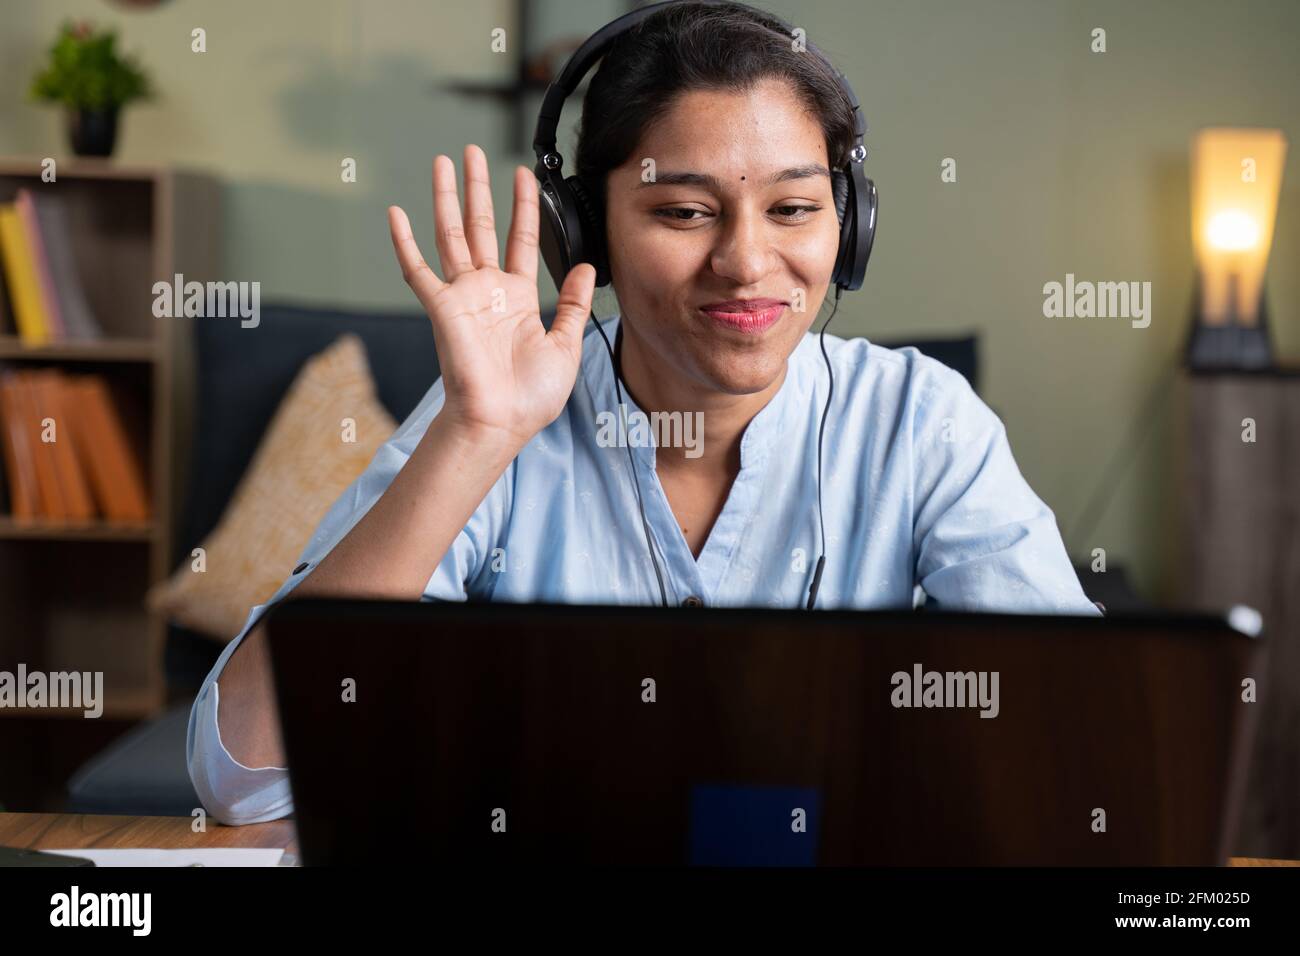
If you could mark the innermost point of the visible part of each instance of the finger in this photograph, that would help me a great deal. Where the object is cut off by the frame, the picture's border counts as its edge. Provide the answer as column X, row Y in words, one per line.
column 480, row 227
column 422, row 280
column 574, row 306
column 452, row 250
column 521, row 244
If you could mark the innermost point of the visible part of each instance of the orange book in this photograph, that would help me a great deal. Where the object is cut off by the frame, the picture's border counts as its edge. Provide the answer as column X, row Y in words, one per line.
column 17, row 457
column 51, row 388
column 116, row 477
column 52, row 505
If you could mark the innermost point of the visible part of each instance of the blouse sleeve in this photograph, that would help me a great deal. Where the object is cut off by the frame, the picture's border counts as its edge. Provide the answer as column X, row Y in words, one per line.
column 983, row 540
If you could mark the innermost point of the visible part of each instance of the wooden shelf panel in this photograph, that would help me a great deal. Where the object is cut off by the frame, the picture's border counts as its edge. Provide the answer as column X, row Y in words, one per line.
column 104, row 350
column 82, row 167
column 42, row 530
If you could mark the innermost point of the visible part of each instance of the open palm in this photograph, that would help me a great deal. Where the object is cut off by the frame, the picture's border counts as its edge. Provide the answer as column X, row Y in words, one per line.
column 502, row 370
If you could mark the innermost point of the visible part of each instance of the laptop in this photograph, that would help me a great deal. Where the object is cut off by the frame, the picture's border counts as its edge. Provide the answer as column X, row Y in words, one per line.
column 507, row 733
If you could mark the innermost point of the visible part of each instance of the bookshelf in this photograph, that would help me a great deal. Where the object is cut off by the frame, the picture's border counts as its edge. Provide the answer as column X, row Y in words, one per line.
column 72, row 595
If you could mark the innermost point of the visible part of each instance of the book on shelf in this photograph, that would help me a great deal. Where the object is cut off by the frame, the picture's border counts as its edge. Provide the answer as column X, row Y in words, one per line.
column 66, row 454
column 47, row 480
column 55, row 228
column 20, row 474
column 25, row 295
column 8, row 325
column 115, row 475
column 46, row 299
column 36, row 252
column 54, row 403
column 6, row 503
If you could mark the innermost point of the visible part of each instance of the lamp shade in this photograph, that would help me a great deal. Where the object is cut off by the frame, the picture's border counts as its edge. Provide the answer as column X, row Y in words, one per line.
column 1236, row 178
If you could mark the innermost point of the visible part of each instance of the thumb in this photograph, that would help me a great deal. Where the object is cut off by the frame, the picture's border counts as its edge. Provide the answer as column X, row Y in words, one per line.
column 574, row 306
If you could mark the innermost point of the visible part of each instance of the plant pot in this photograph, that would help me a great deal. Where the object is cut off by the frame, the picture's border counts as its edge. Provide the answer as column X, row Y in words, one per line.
column 92, row 132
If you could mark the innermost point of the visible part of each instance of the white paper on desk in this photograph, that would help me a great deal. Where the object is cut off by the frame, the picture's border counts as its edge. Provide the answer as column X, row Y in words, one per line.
column 205, row 856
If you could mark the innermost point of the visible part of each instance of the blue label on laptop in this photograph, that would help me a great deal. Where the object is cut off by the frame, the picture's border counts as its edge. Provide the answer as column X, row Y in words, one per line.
column 754, row 826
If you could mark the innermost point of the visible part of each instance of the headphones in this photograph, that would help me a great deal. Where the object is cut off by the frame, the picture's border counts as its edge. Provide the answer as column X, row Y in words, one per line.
column 573, row 219
column 573, row 223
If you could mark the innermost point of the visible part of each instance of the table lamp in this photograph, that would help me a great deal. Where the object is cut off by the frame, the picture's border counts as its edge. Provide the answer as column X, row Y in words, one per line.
column 1236, row 178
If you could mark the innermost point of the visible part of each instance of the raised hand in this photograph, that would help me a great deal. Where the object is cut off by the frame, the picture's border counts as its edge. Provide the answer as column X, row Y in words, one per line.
column 504, row 373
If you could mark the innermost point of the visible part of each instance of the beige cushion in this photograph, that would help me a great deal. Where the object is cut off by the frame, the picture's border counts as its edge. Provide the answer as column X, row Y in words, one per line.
column 300, row 469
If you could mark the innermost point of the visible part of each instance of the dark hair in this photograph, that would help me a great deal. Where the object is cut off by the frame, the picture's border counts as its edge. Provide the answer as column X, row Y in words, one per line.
column 693, row 46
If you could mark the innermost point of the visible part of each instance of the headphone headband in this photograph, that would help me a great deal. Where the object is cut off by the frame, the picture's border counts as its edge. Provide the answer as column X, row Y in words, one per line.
column 583, row 58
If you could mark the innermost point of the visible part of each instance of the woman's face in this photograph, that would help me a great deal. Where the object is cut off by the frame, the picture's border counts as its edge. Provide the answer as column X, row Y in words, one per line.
column 722, row 257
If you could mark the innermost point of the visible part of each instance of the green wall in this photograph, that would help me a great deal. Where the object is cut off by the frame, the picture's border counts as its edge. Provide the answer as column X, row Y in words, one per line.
column 1067, row 161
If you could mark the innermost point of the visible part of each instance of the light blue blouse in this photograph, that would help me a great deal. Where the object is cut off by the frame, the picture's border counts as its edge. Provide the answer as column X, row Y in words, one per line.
column 922, row 498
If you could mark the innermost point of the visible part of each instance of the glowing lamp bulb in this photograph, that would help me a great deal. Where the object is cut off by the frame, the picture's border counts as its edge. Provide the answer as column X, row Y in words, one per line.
column 1232, row 231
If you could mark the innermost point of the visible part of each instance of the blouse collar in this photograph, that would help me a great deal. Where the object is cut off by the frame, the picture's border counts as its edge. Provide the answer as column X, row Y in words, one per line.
column 759, row 434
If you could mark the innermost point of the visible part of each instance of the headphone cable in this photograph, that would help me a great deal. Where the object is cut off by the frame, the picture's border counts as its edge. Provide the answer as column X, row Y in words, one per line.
column 622, row 409
column 821, row 432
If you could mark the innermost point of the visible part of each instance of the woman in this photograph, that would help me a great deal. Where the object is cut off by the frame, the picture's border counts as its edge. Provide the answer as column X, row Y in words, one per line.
column 503, row 484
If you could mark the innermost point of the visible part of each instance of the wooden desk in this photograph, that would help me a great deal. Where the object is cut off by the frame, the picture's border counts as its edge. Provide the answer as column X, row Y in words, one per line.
column 71, row 831
column 75, row 831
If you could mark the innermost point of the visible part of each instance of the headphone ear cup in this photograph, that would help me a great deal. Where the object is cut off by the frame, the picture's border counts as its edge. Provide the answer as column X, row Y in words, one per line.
column 841, row 189
column 857, row 225
column 591, row 215
column 558, row 227
column 840, row 192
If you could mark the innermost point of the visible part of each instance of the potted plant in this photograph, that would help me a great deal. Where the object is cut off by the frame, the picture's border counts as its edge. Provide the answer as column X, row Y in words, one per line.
column 92, row 81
